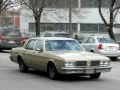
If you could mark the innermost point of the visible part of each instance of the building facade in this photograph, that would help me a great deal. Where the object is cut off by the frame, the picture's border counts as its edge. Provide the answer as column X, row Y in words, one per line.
column 10, row 18
column 85, row 18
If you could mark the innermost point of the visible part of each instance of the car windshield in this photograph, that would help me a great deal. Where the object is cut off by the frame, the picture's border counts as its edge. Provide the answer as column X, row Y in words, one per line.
column 105, row 40
column 11, row 32
column 58, row 45
column 61, row 35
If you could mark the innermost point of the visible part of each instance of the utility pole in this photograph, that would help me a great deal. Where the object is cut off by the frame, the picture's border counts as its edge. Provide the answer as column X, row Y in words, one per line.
column 70, row 18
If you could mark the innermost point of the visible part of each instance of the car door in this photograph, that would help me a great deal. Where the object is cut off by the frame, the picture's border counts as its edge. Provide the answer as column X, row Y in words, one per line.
column 91, row 44
column 84, row 43
column 28, row 55
column 39, row 58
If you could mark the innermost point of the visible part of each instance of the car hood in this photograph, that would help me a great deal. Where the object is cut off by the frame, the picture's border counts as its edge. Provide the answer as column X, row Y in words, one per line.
column 77, row 55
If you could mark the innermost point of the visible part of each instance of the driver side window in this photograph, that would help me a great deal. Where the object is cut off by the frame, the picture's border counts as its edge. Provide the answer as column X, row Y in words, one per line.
column 31, row 45
column 39, row 45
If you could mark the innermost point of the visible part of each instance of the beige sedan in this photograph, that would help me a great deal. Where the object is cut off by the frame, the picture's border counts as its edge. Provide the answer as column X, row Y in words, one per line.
column 57, row 55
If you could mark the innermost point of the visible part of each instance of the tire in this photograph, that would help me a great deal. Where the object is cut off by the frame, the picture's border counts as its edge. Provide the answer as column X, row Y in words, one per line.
column 22, row 66
column 92, row 51
column 1, row 50
column 95, row 76
column 52, row 71
column 114, row 58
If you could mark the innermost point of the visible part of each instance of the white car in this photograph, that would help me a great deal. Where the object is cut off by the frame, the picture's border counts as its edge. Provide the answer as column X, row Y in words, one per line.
column 58, row 55
column 101, row 45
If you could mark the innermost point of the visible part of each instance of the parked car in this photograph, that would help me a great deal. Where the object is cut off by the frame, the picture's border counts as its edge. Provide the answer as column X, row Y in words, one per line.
column 101, row 45
column 57, row 55
column 9, row 38
column 25, row 37
column 54, row 34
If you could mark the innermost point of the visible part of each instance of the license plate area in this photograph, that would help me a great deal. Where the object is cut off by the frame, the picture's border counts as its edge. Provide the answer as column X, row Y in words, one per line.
column 11, row 42
column 89, row 71
column 110, row 48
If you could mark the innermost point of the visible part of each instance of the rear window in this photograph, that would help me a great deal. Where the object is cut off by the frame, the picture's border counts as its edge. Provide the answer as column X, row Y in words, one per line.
column 105, row 40
column 11, row 32
column 61, row 35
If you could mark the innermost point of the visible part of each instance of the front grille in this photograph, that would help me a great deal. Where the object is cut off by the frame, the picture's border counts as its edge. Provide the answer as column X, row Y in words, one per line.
column 86, row 63
column 81, row 63
column 95, row 63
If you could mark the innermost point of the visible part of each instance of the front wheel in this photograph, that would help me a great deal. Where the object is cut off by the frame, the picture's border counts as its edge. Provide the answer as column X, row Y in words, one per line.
column 114, row 58
column 95, row 76
column 52, row 71
column 22, row 66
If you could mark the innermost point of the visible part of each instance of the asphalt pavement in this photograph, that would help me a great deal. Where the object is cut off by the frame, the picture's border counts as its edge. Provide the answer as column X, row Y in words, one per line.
column 12, row 79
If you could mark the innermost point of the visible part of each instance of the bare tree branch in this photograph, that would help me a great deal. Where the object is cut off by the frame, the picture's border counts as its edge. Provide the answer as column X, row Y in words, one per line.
column 99, row 7
column 37, row 6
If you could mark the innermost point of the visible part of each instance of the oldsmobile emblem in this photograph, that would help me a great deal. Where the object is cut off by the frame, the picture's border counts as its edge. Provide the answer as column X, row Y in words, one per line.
column 88, row 63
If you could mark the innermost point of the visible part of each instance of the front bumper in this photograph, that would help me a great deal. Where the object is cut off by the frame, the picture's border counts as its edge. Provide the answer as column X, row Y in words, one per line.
column 86, row 70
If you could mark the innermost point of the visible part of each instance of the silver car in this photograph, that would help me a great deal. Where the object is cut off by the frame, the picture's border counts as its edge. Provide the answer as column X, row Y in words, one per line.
column 101, row 45
column 55, row 34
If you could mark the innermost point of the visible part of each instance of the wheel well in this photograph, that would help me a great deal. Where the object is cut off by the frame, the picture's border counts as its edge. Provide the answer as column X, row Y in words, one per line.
column 49, row 63
column 18, row 58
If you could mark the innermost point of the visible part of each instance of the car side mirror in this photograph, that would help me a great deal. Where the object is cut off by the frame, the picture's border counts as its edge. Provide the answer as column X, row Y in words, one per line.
column 39, row 50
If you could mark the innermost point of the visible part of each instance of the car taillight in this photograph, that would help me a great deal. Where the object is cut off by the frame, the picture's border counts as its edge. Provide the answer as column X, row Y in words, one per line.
column 23, row 39
column 119, row 48
column 1, row 38
column 100, row 46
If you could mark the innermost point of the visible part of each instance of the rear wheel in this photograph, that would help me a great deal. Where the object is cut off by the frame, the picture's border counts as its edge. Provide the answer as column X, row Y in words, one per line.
column 1, row 50
column 92, row 51
column 114, row 58
column 95, row 76
column 22, row 66
column 52, row 71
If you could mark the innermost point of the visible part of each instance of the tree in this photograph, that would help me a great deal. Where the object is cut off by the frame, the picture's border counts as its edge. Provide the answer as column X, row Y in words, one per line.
column 113, row 11
column 5, row 4
column 37, row 7
column 68, row 11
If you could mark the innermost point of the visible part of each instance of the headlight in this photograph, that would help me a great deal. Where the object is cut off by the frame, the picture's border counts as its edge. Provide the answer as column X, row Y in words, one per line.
column 105, row 63
column 69, row 63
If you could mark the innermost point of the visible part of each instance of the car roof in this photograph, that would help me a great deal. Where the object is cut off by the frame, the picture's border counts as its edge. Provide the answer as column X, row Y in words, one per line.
column 52, row 38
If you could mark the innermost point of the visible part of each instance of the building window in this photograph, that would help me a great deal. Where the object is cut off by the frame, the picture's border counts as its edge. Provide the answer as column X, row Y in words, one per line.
column 31, row 27
column 93, row 28
column 102, row 28
column 53, row 27
column 94, row 3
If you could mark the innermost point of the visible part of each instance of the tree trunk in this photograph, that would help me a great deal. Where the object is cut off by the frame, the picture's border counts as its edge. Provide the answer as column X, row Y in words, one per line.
column 109, row 25
column 110, row 29
column 37, row 26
